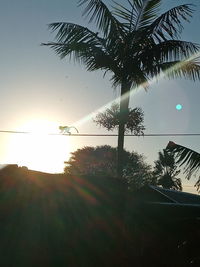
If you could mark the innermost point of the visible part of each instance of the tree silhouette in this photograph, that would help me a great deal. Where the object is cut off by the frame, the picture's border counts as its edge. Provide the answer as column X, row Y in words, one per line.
column 166, row 171
column 109, row 119
column 186, row 157
column 101, row 161
column 134, row 42
column 138, row 173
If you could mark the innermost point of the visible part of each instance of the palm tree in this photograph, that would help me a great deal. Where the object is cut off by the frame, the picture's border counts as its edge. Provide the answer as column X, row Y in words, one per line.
column 166, row 171
column 186, row 157
column 109, row 119
column 132, row 42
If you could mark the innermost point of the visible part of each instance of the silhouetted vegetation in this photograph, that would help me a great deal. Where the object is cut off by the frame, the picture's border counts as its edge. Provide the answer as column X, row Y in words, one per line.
column 166, row 171
column 71, row 220
column 187, row 158
column 101, row 161
column 109, row 119
column 134, row 43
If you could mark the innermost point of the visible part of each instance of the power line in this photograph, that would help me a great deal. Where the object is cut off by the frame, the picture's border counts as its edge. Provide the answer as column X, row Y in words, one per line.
column 103, row 135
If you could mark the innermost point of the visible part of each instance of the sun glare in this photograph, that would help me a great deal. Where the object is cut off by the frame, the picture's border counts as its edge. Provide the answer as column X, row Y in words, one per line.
column 40, row 149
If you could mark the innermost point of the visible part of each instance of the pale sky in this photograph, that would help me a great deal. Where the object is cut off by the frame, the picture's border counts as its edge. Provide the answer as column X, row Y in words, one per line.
column 39, row 92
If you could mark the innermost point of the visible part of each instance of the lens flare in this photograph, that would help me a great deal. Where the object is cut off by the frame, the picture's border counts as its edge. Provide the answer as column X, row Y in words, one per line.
column 179, row 107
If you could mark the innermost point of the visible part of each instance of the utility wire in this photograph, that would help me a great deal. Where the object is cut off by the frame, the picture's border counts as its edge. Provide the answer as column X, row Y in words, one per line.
column 102, row 135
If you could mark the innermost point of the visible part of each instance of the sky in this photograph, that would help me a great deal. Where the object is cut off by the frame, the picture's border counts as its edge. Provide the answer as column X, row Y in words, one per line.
column 39, row 92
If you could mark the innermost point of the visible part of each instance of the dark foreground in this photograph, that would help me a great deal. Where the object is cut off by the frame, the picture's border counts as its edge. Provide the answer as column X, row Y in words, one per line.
column 55, row 220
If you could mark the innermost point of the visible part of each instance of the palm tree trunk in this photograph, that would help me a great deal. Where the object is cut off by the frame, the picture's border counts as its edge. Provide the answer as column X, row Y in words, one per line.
column 124, row 103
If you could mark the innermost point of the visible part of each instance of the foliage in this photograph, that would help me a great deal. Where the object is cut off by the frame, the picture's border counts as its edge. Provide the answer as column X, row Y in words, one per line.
column 138, row 173
column 186, row 157
column 166, row 171
column 109, row 119
column 101, row 161
column 133, row 42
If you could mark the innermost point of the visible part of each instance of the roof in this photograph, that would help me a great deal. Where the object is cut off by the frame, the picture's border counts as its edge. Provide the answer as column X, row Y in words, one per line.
column 178, row 196
column 171, row 204
column 158, row 194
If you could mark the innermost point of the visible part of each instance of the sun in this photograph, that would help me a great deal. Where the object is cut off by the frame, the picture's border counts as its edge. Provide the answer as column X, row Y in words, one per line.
column 41, row 148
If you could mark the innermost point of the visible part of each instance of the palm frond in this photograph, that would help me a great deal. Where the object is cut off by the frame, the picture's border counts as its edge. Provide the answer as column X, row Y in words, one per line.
column 138, row 14
column 188, row 69
column 169, row 23
column 91, row 56
column 173, row 57
column 185, row 156
column 77, row 51
column 127, row 15
column 146, row 12
column 70, row 32
column 169, row 50
column 102, row 16
column 76, row 41
column 197, row 184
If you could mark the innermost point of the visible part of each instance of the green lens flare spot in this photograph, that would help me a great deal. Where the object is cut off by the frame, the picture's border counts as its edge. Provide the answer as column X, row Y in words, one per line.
column 179, row 107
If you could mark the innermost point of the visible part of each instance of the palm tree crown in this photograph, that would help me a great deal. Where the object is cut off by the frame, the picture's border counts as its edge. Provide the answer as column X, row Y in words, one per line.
column 166, row 171
column 133, row 42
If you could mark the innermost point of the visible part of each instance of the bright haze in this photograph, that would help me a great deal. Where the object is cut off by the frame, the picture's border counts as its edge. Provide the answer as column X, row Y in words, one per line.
column 39, row 92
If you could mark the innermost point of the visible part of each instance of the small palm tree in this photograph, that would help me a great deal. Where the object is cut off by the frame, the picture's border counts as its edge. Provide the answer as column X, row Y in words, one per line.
column 109, row 119
column 166, row 171
column 133, row 42
column 186, row 157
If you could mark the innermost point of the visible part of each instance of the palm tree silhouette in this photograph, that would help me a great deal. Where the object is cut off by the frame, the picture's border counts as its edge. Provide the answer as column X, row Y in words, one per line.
column 186, row 157
column 166, row 171
column 132, row 42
